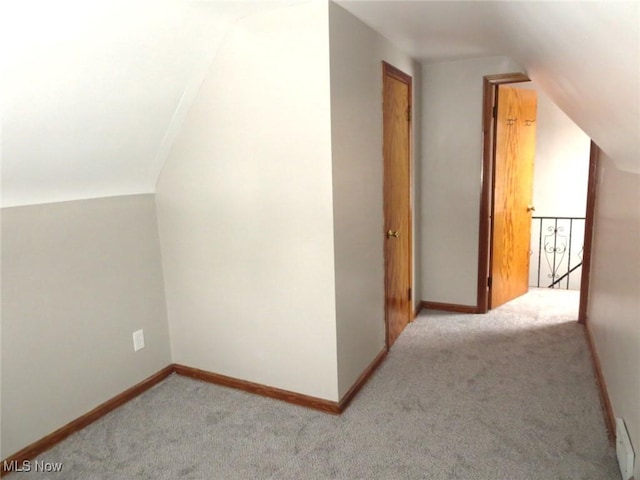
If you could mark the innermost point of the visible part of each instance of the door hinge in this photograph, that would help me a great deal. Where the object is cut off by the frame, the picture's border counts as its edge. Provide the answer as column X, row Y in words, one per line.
column 494, row 112
column 489, row 282
column 408, row 114
column 409, row 293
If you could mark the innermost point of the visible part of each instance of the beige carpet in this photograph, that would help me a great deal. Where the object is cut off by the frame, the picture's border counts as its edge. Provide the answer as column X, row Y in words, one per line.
column 506, row 396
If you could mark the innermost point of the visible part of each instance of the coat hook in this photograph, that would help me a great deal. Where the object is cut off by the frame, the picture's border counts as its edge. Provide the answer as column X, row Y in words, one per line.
column 511, row 121
column 528, row 123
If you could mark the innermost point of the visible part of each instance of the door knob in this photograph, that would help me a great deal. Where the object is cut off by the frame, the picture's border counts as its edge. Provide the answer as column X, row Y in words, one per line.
column 531, row 208
column 391, row 233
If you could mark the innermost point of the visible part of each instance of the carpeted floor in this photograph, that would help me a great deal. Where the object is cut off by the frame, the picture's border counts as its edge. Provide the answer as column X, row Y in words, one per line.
column 509, row 395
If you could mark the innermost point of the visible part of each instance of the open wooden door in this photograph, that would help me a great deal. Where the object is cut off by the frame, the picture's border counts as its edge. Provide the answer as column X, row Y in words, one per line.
column 511, row 208
column 397, row 200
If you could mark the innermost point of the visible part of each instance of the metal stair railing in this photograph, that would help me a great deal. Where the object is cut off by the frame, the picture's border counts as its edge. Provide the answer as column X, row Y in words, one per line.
column 557, row 240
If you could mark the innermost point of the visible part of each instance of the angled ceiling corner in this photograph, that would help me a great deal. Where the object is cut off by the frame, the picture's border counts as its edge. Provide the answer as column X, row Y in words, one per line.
column 93, row 93
column 586, row 57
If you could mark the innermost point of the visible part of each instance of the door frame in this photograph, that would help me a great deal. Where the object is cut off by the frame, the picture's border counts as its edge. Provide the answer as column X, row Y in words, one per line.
column 594, row 155
column 490, row 84
column 489, row 94
column 390, row 70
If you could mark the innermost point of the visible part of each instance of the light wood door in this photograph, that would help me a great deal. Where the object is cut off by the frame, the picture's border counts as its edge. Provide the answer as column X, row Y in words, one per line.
column 512, row 193
column 397, row 200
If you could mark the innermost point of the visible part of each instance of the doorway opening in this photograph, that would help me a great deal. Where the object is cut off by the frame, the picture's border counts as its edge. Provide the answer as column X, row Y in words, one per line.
column 503, row 267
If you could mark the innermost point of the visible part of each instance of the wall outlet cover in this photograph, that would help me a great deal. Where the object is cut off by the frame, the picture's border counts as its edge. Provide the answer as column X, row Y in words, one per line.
column 624, row 450
column 138, row 340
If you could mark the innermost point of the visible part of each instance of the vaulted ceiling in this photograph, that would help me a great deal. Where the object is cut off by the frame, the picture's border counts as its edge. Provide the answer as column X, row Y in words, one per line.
column 95, row 92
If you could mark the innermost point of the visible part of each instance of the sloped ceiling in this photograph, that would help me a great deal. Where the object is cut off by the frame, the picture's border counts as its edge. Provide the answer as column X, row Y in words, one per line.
column 584, row 55
column 95, row 92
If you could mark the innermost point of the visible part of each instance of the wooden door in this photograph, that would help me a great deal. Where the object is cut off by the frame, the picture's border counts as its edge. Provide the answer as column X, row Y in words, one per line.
column 512, row 193
column 397, row 200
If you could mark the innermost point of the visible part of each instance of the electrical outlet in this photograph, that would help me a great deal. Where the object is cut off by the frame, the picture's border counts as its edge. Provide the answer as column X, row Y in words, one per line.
column 624, row 450
column 138, row 340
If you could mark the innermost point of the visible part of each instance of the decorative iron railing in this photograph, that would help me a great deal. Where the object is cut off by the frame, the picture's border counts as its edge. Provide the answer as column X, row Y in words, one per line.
column 557, row 246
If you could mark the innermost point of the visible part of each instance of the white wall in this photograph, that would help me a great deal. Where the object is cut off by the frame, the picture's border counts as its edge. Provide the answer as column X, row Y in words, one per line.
column 614, row 299
column 357, row 53
column 562, row 162
column 77, row 279
column 450, row 180
column 245, row 210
